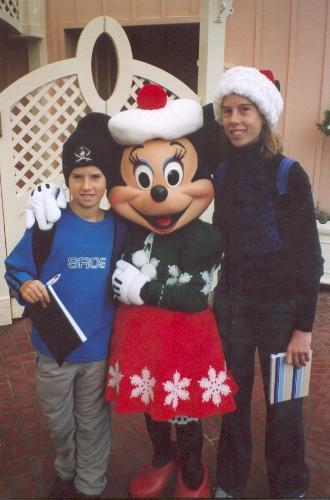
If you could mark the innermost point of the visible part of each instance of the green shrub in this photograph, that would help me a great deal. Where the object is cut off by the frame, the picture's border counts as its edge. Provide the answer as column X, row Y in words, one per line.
column 322, row 216
column 325, row 125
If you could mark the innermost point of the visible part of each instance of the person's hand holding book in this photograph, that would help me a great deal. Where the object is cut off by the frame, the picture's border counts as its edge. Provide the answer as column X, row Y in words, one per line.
column 297, row 352
column 34, row 291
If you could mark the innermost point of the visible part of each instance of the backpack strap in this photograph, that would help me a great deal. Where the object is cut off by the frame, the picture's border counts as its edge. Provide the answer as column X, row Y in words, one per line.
column 281, row 180
column 283, row 174
column 41, row 244
column 219, row 173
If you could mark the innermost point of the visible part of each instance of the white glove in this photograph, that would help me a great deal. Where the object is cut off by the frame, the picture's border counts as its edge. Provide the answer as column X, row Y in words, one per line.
column 127, row 282
column 44, row 205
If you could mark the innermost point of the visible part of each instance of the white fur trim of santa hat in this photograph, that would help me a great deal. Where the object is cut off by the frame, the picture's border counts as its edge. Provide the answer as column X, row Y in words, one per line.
column 177, row 118
column 249, row 82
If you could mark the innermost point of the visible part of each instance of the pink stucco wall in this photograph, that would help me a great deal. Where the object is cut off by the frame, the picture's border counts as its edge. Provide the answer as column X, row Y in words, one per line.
column 291, row 37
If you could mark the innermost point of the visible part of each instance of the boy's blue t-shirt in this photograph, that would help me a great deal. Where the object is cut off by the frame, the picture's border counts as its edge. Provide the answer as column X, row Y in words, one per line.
column 81, row 252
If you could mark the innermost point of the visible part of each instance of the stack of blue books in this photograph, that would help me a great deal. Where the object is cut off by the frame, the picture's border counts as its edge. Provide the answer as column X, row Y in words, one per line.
column 287, row 381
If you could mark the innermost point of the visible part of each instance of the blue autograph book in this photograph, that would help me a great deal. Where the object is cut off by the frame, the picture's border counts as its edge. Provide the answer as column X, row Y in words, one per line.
column 287, row 381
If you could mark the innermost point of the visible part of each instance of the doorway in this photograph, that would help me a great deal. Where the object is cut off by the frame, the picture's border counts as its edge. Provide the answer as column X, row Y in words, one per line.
column 13, row 56
column 171, row 47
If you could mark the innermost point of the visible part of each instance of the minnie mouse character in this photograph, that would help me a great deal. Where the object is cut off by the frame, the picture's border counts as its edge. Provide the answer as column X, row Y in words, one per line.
column 166, row 358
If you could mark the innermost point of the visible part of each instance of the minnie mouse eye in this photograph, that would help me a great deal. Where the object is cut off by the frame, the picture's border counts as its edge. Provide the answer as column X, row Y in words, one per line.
column 143, row 176
column 173, row 173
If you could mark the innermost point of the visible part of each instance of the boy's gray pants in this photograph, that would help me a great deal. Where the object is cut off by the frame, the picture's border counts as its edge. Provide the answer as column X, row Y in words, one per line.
column 79, row 416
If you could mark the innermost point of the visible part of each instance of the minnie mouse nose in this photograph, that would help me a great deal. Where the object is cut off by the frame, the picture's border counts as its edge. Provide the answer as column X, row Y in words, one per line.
column 159, row 193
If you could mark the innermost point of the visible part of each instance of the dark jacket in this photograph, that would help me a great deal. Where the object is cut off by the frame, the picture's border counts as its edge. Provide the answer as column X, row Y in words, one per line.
column 271, row 244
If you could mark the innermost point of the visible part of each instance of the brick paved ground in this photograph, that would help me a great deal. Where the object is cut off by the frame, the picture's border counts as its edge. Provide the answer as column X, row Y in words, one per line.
column 26, row 455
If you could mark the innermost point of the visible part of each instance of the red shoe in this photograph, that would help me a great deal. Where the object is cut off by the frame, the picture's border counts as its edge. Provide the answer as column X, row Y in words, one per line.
column 151, row 481
column 203, row 491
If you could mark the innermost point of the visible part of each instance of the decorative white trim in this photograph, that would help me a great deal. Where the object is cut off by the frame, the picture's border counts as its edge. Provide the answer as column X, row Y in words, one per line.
column 5, row 311
column 222, row 10
column 9, row 13
column 25, row 16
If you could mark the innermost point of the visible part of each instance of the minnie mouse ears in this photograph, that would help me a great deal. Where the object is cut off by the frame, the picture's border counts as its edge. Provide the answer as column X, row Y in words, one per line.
column 156, row 118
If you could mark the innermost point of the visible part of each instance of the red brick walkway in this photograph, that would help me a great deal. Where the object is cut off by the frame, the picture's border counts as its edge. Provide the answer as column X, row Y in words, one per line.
column 26, row 455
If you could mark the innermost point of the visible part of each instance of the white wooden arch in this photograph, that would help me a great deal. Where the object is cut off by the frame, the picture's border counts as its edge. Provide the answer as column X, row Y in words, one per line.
column 39, row 111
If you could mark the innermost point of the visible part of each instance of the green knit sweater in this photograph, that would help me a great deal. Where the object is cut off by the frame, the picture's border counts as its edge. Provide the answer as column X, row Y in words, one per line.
column 184, row 262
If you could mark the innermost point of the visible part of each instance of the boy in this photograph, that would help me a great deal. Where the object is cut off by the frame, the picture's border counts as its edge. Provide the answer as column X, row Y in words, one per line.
column 73, row 394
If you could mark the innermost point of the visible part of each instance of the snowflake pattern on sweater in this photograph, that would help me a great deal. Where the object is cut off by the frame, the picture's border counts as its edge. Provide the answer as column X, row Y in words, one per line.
column 183, row 265
column 177, row 277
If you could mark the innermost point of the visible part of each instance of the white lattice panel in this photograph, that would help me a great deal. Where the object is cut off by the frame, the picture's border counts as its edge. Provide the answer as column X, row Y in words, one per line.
column 10, row 7
column 39, row 112
column 41, row 122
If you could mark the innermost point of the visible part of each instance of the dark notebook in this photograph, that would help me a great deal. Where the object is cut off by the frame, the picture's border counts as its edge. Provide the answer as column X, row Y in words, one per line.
column 56, row 326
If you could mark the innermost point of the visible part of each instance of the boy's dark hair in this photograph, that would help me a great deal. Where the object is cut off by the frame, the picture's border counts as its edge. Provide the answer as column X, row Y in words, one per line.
column 90, row 145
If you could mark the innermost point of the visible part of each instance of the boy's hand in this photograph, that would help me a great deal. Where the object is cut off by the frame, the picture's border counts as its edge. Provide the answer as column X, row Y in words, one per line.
column 127, row 282
column 297, row 352
column 34, row 291
column 44, row 205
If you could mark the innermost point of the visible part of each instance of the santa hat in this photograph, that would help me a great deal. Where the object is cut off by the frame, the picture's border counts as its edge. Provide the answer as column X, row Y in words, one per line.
column 257, row 86
column 156, row 118
column 89, row 145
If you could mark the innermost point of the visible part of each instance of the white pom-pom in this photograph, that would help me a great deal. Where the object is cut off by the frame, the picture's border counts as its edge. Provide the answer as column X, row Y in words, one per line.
column 149, row 270
column 139, row 258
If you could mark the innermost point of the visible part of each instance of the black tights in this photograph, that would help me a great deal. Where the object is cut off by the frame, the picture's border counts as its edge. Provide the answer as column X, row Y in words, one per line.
column 190, row 444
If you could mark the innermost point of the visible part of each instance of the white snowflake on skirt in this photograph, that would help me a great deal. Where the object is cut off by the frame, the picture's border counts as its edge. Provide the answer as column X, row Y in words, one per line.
column 144, row 386
column 176, row 389
column 214, row 386
column 115, row 377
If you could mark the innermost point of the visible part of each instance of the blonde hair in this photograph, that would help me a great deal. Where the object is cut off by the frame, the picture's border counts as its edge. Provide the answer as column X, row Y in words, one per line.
column 270, row 141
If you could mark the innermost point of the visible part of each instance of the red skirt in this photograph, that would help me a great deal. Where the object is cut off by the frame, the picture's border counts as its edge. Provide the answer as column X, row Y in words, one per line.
column 168, row 363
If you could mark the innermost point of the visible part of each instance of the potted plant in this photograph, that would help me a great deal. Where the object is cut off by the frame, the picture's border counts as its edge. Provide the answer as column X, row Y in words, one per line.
column 323, row 226
column 324, row 126
column 323, row 216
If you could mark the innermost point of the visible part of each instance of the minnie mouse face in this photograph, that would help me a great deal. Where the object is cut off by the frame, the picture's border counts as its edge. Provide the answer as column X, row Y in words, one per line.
column 159, row 192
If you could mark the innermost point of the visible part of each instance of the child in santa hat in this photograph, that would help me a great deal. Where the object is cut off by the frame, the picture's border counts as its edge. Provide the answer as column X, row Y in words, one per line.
column 270, row 273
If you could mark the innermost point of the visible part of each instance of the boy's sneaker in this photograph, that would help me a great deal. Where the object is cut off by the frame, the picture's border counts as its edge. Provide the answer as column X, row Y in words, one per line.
column 62, row 488
column 220, row 493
